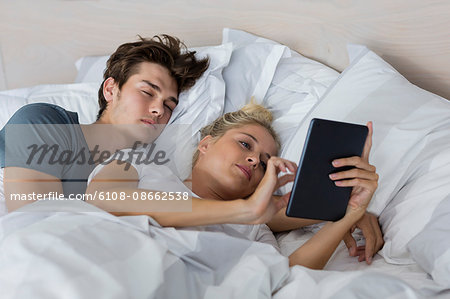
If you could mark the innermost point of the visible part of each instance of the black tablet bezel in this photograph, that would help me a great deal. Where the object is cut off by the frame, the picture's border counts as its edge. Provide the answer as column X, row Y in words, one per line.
column 314, row 195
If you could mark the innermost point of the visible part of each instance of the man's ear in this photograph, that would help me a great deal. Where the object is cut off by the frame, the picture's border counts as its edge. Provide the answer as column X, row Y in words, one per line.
column 203, row 145
column 108, row 89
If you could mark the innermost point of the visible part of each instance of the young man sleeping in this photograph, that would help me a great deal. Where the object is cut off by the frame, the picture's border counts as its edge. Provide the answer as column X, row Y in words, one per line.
column 44, row 149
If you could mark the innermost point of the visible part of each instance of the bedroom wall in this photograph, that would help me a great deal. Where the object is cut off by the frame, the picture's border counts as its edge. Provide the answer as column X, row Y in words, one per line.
column 41, row 40
column 2, row 73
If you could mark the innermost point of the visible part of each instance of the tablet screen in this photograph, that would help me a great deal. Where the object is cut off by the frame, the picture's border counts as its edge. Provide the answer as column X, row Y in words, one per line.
column 314, row 195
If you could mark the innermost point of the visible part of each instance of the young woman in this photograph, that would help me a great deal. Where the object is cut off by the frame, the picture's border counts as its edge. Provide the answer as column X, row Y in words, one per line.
column 234, row 175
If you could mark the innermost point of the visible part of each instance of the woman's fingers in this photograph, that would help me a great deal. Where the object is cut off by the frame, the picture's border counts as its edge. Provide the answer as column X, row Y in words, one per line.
column 264, row 206
column 350, row 242
column 361, row 253
column 379, row 236
column 370, row 246
column 283, row 180
column 366, row 184
column 368, row 143
column 355, row 161
column 283, row 200
column 354, row 173
column 283, row 164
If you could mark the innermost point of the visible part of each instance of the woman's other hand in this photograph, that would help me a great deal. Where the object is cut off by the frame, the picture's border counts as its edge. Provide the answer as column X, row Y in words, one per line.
column 370, row 228
column 262, row 204
column 363, row 178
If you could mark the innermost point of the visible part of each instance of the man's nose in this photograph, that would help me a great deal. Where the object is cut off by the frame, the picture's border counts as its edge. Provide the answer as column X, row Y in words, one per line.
column 156, row 108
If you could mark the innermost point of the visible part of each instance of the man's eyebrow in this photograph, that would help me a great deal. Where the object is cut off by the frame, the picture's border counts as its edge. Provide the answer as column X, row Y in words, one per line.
column 158, row 89
column 152, row 85
column 256, row 140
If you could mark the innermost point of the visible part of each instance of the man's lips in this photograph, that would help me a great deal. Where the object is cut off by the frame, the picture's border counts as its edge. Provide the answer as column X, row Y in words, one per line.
column 246, row 171
column 149, row 122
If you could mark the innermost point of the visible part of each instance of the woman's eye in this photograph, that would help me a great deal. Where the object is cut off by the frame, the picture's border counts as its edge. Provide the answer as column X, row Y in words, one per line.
column 147, row 93
column 245, row 144
column 264, row 165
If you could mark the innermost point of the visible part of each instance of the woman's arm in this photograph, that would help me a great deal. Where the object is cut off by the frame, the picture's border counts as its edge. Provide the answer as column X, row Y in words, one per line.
column 368, row 224
column 117, row 178
column 316, row 252
column 258, row 208
column 280, row 222
column 363, row 179
column 201, row 212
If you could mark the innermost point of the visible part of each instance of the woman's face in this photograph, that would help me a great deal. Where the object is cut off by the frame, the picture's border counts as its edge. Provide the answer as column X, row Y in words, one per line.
column 232, row 166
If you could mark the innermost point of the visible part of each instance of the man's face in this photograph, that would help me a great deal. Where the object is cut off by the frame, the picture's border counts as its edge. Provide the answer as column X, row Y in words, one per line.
column 147, row 98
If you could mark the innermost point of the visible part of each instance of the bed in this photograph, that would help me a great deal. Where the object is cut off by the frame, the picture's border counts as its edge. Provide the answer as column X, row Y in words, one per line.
column 344, row 60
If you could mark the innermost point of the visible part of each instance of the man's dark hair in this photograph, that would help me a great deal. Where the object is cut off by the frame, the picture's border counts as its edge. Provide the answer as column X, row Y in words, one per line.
column 165, row 50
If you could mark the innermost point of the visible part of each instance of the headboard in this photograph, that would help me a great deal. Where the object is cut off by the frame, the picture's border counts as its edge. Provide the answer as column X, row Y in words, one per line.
column 41, row 40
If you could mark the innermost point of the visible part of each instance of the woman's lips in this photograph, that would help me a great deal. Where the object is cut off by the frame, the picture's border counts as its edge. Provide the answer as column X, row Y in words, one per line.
column 246, row 170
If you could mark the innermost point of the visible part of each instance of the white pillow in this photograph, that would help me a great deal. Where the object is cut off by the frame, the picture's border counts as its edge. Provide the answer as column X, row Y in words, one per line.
column 417, row 202
column 197, row 107
column 204, row 102
column 81, row 98
column 431, row 247
column 91, row 68
column 251, row 69
column 297, row 85
column 404, row 117
column 297, row 82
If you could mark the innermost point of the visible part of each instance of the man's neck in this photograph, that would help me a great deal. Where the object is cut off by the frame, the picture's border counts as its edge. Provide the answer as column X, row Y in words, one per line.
column 102, row 138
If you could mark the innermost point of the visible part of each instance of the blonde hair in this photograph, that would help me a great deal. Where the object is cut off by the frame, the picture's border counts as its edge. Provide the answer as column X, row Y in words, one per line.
column 250, row 114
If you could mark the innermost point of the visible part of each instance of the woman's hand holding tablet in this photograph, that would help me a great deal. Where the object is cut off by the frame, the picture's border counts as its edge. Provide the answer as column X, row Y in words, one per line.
column 362, row 177
column 334, row 176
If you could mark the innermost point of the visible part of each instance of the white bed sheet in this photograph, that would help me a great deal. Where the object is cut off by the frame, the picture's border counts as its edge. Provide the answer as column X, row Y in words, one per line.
column 78, row 251
column 413, row 275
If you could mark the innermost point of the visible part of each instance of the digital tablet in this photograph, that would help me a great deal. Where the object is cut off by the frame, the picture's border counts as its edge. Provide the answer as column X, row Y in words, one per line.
column 314, row 195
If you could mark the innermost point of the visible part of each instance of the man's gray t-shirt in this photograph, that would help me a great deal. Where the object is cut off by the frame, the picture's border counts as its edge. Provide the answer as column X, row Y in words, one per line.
column 49, row 139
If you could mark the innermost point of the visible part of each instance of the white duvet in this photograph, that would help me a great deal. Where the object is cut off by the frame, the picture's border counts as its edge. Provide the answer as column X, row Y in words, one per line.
column 74, row 250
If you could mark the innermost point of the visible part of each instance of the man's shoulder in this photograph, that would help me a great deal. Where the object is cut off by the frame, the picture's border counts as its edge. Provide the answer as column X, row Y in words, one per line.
column 43, row 113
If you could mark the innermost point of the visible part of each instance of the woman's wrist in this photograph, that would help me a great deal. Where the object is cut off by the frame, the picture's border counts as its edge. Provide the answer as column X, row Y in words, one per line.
column 240, row 212
column 354, row 214
column 246, row 213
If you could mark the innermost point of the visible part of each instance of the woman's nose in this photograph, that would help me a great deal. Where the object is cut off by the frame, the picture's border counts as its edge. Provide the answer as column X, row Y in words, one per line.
column 253, row 160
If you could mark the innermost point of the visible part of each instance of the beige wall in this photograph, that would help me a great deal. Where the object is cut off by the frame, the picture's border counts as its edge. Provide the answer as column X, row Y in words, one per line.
column 40, row 40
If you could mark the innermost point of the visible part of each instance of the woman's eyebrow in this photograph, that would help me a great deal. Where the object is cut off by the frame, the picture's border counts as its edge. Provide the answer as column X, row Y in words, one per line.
column 256, row 140
column 251, row 136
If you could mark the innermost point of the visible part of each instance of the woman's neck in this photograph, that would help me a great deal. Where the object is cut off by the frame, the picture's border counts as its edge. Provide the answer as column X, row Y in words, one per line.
column 202, row 185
